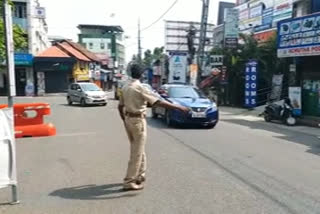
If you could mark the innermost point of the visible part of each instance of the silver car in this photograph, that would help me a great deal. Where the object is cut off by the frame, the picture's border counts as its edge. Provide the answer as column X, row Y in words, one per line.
column 86, row 94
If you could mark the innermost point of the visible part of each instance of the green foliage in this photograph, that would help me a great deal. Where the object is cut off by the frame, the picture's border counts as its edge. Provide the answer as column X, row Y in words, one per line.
column 151, row 56
column 249, row 48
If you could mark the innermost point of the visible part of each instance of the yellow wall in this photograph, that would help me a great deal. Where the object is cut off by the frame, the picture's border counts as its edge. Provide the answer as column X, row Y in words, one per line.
column 81, row 71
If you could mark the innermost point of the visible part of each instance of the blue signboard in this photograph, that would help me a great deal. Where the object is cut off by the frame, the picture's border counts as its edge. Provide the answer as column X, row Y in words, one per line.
column 251, row 76
column 299, row 36
column 267, row 16
column 315, row 6
column 23, row 59
column 267, row 19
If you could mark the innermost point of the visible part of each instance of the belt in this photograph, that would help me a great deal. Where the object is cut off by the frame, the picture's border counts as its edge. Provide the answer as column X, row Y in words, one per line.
column 137, row 115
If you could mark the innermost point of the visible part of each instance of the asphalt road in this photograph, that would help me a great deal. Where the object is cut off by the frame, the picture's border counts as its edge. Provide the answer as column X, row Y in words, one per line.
column 240, row 167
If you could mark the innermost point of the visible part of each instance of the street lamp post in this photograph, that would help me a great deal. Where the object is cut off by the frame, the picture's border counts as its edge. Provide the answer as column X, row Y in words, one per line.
column 7, row 18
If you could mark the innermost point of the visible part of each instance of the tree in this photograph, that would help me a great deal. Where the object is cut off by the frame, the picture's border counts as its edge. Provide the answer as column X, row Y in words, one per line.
column 150, row 57
column 19, row 37
column 269, row 64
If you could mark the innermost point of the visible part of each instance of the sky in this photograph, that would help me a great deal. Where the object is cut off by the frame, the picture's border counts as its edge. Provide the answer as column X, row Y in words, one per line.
column 63, row 17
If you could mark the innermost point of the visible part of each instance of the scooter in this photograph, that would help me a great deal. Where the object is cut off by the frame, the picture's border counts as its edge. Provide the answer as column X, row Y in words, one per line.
column 283, row 113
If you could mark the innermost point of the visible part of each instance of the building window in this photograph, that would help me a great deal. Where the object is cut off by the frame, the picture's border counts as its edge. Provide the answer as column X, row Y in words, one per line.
column 20, row 11
column 84, row 45
column 109, row 46
column 91, row 45
column 102, row 46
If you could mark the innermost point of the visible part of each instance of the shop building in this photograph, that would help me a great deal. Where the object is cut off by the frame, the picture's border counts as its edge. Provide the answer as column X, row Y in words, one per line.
column 31, row 17
column 62, row 64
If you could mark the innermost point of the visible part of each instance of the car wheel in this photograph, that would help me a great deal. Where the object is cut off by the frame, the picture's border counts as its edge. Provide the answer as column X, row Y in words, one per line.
column 267, row 118
column 69, row 101
column 83, row 102
column 291, row 121
column 154, row 114
column 104, row 104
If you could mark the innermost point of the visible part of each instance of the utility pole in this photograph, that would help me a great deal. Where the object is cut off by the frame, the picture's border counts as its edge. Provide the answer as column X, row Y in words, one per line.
column 7, row 18
column 203, row 36
column 139, row 43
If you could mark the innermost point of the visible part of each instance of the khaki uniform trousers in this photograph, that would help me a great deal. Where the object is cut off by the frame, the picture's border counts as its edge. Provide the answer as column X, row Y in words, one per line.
column 136, row 128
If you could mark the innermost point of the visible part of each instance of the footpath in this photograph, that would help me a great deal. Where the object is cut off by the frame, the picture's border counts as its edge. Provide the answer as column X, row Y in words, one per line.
column 310, row 126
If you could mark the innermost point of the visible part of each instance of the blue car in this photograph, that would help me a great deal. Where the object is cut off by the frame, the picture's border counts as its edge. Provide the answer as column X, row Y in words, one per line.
column 204, row 111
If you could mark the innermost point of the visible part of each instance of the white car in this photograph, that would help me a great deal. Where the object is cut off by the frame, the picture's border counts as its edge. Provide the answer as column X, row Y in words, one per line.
column 86, row 94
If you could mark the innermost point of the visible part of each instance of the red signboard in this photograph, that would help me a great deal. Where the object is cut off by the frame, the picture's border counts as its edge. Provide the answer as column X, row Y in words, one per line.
column 264, row 36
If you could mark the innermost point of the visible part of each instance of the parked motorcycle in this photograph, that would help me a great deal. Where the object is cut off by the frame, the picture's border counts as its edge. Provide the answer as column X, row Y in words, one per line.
column 283, row 113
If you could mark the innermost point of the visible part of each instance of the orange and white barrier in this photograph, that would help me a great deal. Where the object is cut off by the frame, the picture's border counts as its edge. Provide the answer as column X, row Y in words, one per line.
column 29, row 120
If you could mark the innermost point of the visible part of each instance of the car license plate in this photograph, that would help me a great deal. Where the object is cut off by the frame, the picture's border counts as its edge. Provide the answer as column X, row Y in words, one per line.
column 199, row 114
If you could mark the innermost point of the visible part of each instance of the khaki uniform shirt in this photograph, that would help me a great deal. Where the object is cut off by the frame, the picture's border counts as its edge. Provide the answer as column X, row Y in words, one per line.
column 135, row 97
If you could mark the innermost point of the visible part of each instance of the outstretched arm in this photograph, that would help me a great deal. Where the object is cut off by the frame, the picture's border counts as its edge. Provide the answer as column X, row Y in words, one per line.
column 168, row 105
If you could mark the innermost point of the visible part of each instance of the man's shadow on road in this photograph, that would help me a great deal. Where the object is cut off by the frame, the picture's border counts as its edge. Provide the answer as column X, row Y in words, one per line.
column 93, row 192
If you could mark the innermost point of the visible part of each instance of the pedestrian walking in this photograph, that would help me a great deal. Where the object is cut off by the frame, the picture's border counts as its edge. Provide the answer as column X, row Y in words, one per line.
column 132, row 109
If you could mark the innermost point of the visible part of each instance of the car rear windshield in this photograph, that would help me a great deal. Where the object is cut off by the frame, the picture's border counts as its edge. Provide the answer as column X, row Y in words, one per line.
column 184, row 92
column 90, row 87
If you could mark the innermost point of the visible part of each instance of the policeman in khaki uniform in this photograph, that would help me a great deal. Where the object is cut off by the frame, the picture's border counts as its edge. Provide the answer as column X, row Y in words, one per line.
column 132, row 108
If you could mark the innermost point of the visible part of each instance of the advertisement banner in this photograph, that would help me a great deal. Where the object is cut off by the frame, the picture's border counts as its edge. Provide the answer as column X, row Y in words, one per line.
column 315, row 6
column 251, row 84
column 295, row 97
column 223, row 76
column 276, row 90
column 231, row 23
column 283, row 9
column 267, row 19
column 178, row 68
column 193, row 74
column 216, row 60
column 267, row 16
column 256, row 11
column 299, row 36
column 249, row 23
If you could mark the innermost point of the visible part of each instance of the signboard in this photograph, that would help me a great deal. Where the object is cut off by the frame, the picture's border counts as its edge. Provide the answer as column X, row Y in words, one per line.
column 295, row 98
column 267, row 19
column 276, row 90
column 29, row 89
column 250, row 23
column 193, row 74
column 264, row 36
column 23, row 59
column 251, row 84
column 40, row 12
column 282, row 10
column 231, row 42
column 299, row 36
column 223, row 77
column 315, row 6
column 41, row 84
column 178, row 68
column 231, row 23
column 216, row 60
column 256, row 11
